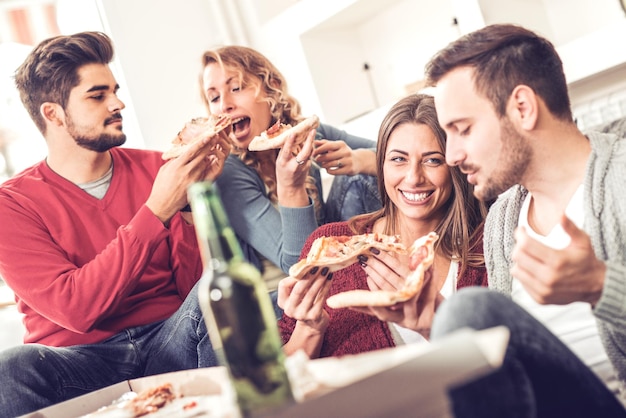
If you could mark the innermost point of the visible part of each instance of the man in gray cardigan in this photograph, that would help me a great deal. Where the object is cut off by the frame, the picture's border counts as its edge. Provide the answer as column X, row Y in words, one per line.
column 555, row 238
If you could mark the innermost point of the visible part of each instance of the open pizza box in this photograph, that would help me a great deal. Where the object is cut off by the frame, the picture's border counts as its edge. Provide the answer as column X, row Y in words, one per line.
column 410, row 380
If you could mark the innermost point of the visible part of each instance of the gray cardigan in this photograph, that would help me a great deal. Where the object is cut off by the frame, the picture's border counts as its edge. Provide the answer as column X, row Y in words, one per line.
column 605, row 222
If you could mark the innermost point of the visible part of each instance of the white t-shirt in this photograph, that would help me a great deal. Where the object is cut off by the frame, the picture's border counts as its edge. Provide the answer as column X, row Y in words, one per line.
column 574, row 323
column 407, row 336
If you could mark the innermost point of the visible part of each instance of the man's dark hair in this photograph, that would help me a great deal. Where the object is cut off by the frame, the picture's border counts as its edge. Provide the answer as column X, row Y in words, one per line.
column 504, row 56
column 51, row 69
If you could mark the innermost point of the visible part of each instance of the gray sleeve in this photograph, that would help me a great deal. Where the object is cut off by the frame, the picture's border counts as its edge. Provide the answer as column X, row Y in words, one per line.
column 276, row 234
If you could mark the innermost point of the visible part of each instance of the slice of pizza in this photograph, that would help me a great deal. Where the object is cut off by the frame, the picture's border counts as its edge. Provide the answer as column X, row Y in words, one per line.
column 338, row 252
column 276, row 135
column 421, row 257
column 196, row 130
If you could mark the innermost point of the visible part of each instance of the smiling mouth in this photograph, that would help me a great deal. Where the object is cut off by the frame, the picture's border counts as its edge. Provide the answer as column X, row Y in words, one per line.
column 416, row 197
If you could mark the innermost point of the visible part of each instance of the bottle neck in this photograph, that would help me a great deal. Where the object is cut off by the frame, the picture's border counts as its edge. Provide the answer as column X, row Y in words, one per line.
column 217, row 240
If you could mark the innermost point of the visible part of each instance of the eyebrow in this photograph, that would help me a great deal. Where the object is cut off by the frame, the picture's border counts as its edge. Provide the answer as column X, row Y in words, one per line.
column 227, row 82
column 424, row 154
column 102, row 87
column 455, row 121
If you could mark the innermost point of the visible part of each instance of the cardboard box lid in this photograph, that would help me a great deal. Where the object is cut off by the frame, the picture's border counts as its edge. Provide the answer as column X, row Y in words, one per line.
column 410, row 380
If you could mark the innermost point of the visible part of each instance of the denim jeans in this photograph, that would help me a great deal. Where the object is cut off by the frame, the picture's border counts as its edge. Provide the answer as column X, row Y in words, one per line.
column 350, row 196
column 540, row 376
column 35, row 376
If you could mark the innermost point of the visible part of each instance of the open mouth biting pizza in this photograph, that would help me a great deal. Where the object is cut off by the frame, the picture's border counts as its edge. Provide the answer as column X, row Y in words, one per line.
column 276, row 135
column 196, row 130
column 338, row 252
column 421, row 257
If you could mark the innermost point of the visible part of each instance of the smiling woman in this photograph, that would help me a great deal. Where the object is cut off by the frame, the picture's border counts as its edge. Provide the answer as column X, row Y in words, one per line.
column 421, row 194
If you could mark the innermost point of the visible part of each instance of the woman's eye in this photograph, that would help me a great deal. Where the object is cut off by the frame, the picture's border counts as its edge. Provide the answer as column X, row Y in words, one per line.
column 432, row 162
column 397, row 159
column 213, row 99
column 236, row 88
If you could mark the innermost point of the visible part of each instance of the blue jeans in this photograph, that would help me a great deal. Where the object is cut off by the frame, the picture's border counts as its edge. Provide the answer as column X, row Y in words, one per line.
column 35, row 376
column 350, row 196
column 540, row 376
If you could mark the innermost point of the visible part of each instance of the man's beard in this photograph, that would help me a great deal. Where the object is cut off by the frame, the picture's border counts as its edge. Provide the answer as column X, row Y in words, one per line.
column 515, row 157
column 98, row 143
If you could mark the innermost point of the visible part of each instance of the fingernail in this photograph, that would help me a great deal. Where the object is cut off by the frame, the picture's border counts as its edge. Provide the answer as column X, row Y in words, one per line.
column 375, row 250
column 314, row 270
column 362, row 258
column 324, row 271
column 330, row 276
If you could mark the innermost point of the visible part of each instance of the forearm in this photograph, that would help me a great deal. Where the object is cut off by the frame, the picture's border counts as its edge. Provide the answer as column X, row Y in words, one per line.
column 305, row 338
column 293, row 197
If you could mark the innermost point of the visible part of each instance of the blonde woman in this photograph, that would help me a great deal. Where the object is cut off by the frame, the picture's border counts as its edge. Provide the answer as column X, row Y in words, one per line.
column 273, row 198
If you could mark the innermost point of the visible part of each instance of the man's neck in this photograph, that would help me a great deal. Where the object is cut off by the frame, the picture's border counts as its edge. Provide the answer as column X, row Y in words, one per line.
column 80, row 165
column 557, row 170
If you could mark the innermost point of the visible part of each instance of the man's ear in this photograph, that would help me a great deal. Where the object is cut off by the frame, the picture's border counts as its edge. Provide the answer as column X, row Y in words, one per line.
column 52, row 113
column 523, row 107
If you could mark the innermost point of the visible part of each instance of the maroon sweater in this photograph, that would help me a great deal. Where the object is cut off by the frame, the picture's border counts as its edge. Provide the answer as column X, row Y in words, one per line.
column 351, row 332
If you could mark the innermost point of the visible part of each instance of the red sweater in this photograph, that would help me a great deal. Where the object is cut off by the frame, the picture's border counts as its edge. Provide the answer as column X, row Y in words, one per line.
column 351, row 332
column 84, row 269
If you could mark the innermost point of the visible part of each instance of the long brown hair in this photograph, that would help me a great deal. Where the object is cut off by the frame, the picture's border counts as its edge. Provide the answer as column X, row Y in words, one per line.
column 254, row 69
column 460, row 231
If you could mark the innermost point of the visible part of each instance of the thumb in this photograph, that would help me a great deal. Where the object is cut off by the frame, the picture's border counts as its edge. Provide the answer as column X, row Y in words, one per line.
column 576, row 234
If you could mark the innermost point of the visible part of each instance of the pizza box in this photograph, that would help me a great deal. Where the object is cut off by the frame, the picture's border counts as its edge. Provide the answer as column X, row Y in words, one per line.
column 409, row 380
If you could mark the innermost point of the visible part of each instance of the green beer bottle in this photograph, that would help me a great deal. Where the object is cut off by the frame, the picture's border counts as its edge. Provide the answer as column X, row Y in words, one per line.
column 237, row 309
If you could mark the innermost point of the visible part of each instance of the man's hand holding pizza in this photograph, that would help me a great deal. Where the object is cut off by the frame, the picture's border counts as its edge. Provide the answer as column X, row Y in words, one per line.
column 169, row 191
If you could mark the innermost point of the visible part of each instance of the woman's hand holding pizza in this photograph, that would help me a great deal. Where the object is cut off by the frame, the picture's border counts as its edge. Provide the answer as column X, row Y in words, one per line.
column 304, row 300
column 292, row 168
column 387, row 272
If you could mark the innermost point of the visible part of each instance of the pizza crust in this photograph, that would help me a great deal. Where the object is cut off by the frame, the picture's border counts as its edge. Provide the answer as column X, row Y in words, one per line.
column 338, row 252
column 421, row 257
column 196, row 130
column 266, row 141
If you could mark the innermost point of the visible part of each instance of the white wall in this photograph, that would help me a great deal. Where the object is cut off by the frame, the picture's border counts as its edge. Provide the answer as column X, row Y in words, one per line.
column 320, row 46
column 159, row 44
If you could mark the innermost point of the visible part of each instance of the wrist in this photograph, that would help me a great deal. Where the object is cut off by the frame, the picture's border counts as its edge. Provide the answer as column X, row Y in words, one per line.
column 313, row 328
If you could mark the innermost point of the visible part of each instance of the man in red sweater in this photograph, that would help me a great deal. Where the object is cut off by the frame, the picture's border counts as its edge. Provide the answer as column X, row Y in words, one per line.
column 93, row 242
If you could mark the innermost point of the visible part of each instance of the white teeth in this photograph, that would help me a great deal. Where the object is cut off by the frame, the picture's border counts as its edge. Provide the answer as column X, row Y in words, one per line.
column 234, row 121
column 415, row 197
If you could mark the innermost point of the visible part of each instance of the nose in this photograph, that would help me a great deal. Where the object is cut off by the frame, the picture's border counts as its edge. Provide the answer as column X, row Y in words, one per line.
column 454, row 153
column 415, row 174
column 116, row 105
column 226, row 103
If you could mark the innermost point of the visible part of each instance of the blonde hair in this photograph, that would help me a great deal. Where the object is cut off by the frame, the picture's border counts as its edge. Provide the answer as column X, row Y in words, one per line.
column 254, row 69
